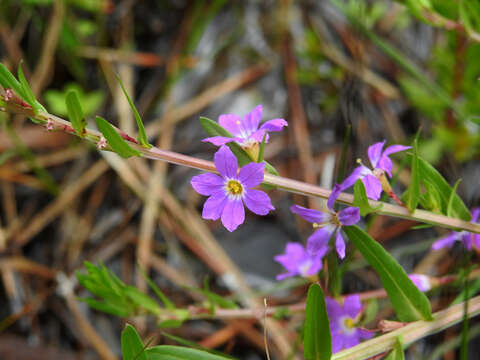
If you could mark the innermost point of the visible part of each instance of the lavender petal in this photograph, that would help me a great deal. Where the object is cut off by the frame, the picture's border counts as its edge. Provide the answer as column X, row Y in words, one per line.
column 357, row 173
column 337, row 189
column 349, row 216
column 352, row 305
column 207, row 184
column 233, row 214
column 446, row 241
column 218, row 140
column 252, row 119
column 375, row 152
column 274, row 125
column 373, row 187
column 340, row 245
column 231, row 122
column 258, row 202
column 311, row 215
column 225, row 162
column 252, row 174
column 213, row 207
column 318, row 241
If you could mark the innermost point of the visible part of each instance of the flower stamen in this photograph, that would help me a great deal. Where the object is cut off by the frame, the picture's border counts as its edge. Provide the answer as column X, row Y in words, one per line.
column 234, row 187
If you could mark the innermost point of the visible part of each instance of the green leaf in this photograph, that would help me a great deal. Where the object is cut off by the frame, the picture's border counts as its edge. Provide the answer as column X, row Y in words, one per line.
column 431, row 198
column 7, row 80
column 412, row 196
column 142, row 135
column 29, row 97
column 132, row 346
column 451, row 199
column 212, row 128
column 142, row 300
column 170, row 352
column 397, row 351
column 410, row 304
column 163, row 298
column 75, row 113
column 111, row 308
column 360, row 199
column 429, row 174
column 192, row 344
column 114, row 139
column 262, row 148
column 317, row 339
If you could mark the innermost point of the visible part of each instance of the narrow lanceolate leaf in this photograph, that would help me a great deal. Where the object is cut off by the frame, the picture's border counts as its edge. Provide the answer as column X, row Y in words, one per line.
column 29, row 97
column 116, row 142
column 412, row 196
column 8, row 81
column 410, row 304
column 170, row 352
column 451, row 199
column 317, row 340
column 75, row 112
column 429, row 174
column 262, row 148
column 360, row 199
column 212, row 128
column 142, row 135
column 397, row 351
column 132, row 346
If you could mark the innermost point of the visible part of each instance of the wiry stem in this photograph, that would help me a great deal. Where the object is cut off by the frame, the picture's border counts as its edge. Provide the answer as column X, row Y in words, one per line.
column 282, row 183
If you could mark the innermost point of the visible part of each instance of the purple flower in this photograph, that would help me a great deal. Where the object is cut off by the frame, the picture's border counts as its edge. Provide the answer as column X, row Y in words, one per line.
column 343, row 319
column 468, row 239
column 245, row 131
column 380, row 162
column 229, row 191
column 298, row 261
column 422, row 282
column 327, row 224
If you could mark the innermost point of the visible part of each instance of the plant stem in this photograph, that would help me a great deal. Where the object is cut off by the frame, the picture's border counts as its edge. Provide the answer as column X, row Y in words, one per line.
column 282, row 183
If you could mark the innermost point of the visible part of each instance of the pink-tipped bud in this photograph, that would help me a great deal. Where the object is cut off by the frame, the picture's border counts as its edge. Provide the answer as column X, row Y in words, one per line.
column 422, row 282
column 102, row 143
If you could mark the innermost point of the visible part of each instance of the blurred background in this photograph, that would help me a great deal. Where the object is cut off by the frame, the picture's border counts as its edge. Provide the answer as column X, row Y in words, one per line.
column 377, row 69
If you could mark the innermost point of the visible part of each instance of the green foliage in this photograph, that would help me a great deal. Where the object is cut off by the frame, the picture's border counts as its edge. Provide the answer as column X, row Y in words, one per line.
column 116, row 297
column 410, row 304
column 91, row 102
column 75, row 113
column 317, row 340
column 444, row 194
column 212, row 128
column 142, row 135
column 169, row 352
column 412, row 195
column 132, row 346
column 360, row 199
column 115, row 140
column 397, row 351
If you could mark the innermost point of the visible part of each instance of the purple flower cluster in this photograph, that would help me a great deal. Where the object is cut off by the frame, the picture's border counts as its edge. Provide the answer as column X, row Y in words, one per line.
column 328, row 224
column 343, row 319
column 381, row 164
column 298, row 261
column 468, row 239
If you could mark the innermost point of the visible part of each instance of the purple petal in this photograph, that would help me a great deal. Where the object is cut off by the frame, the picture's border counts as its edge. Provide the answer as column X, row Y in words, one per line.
column 422, row 282
column 476, row 241
column 350, row 340
column 373, row 187
column 311, row 215
column 357, row 173
column 334, row 311
column 258, row 136
column 225, row 162
column 385, row 163
column 337, row 343
column 251, row 174
column 258, row 202
column 213, row 207
column 446, row 241
column 207, row 184
column 233, row 214
column 231, row 122
column 394, row 149
column 285, row 275
column 294, row 253
column 467, row 240
column 337, row 189
column 352, row 305
column 318, row 241
column 476, row 215
column 375, row 152
column 365, row 334
column 316, row 265
column 349, row 216
column 274, row 125
column 218, row 140
column 340, row 245
column 252, row 119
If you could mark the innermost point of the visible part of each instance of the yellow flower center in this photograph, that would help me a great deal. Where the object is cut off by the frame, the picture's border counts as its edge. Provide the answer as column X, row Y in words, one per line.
column 349, row 323
column 234, row 187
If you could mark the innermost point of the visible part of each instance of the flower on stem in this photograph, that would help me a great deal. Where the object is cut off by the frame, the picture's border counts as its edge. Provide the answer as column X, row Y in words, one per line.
column 343, row 318
column 298, row 261
column 102, row 143
column 374, row 179
column 229, row 191
column 327, row 224
column 422, row 282
column 469, row 240
column 246, row 131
